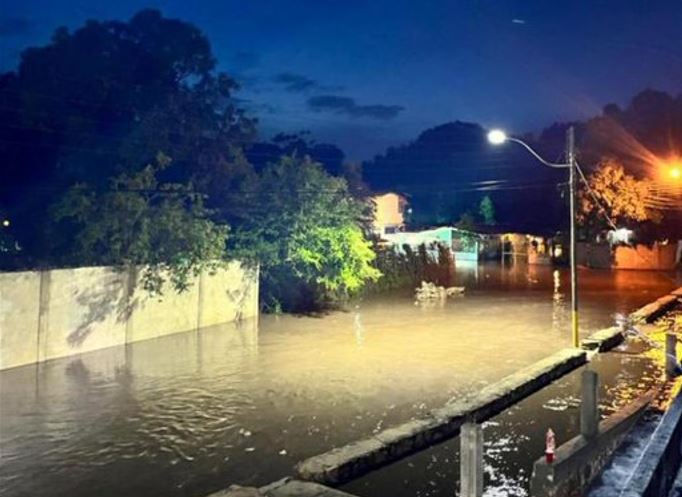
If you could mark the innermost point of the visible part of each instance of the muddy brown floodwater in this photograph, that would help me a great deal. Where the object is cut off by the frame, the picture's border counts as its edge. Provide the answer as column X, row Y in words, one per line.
column 190, row 413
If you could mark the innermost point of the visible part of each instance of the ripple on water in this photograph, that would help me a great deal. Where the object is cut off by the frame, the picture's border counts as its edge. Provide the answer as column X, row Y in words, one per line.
column 169, row 416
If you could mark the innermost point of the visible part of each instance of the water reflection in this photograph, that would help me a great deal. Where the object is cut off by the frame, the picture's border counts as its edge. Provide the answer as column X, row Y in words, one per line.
column 193, row 412
column 559, row 310
column 514, row 439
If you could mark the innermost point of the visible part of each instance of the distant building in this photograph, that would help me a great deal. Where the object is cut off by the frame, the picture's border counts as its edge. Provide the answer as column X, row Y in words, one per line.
column 463, row 244
column 389, row 213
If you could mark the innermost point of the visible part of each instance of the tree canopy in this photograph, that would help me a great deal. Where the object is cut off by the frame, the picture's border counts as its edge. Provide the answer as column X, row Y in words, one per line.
column 123, row 145
column 139, row 221
column 306, row 232
column 617, row 195
column 104, row 100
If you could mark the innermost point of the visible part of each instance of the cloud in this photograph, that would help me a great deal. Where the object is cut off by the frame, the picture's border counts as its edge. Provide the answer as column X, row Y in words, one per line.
column 348, row 106
column 14, row 26
column 295, row 82
column 298, row 83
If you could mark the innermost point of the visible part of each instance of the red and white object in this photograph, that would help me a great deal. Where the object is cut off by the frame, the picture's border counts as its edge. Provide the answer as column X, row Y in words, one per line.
column 550, row 446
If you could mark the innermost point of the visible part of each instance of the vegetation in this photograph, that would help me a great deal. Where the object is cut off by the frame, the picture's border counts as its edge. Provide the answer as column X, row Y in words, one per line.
column 486, row 210
column 124, row 145
column 623, row 197
column 407, row 268
column 139, row 221
column 306, row 232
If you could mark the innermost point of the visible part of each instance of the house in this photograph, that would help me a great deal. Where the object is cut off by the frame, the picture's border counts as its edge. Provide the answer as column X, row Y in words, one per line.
column 463, row 244
column 389, row 213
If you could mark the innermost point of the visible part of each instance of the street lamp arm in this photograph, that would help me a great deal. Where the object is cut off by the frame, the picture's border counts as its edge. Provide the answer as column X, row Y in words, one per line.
column 536, row 155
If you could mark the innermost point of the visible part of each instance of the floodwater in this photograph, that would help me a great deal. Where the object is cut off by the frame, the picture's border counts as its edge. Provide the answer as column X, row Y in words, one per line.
column 191, row 413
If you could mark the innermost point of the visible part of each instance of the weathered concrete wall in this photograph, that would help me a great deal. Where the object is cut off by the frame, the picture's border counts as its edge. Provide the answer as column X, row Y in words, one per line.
column 580, row 460
column 50, row 314
column 82, row 312
column 603, row 256
column 659, row 257
column 19, row 318
column 597, row 256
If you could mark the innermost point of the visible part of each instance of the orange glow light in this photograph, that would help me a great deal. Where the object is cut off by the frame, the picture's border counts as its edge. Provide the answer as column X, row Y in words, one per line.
column 670, row 169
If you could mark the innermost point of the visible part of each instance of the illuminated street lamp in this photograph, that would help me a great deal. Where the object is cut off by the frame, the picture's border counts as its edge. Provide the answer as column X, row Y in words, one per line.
column 499, row 137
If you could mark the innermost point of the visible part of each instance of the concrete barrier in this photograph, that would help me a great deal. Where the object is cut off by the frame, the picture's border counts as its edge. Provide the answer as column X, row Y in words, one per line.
column 358, row 458
column 659, row 464
column 581, row 459
column 656, row 309
column 51, row 314
column 285, row 487
column 603, row 340
column 608, row 338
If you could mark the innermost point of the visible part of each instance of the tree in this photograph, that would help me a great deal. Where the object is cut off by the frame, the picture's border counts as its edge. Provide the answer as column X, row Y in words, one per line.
column 623, row 197
column 104, row 100
column 466, row 222
column 306, row 235
column 162, row 227
column 487, row 210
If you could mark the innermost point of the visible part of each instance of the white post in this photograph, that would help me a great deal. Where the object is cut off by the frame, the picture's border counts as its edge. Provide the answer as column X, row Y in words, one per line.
column 471, row 460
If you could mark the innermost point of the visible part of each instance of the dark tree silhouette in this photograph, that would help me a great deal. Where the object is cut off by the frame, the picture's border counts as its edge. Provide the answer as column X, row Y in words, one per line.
column 104, row 100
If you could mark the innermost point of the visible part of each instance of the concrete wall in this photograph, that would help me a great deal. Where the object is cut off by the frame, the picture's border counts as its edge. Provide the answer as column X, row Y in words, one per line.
column 660, row 257
column 602, row 256
column 50, row 314
column 658, row 466
column 580, row 460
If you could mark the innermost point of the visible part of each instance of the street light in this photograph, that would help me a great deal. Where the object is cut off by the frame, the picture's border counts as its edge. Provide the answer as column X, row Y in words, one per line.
column 498, row 137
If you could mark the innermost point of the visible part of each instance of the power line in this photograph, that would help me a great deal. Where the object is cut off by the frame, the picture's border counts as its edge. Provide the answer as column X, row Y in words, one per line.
column 594, row 197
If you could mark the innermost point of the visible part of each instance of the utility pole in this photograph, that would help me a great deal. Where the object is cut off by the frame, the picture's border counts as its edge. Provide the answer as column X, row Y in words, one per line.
column 570, row 157
column 498, row 137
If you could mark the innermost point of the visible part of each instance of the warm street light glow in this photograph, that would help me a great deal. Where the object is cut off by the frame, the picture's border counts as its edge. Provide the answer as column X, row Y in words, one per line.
column 497, row 137
column 670, row 169
column 5, row 223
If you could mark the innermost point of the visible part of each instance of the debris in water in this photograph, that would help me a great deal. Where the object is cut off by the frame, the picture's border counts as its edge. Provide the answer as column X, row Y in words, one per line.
column 430, row 292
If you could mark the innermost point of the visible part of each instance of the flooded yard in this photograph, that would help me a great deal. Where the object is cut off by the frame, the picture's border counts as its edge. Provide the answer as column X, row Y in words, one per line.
column 191, row 413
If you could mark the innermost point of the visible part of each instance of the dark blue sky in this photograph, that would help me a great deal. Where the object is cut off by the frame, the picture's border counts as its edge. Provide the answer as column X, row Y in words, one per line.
column 370, row 74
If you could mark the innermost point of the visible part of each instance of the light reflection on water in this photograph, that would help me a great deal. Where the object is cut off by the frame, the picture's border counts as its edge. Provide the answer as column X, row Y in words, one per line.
column 191, row 413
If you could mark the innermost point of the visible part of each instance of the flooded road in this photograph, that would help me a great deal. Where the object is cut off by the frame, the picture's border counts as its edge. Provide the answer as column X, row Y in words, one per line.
column 188, row 414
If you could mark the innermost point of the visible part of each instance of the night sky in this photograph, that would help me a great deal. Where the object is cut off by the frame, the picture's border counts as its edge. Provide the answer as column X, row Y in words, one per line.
column 366, row 75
